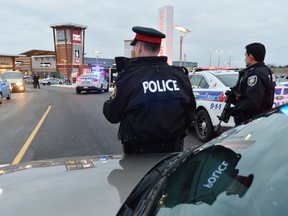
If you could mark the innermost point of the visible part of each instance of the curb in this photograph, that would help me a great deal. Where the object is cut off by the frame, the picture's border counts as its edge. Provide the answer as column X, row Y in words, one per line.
column 74, row 86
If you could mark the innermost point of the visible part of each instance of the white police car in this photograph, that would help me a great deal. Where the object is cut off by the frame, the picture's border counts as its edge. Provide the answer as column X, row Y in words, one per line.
column 91, row 82
column 209, row 87
column 280, row 95
column 51, row 81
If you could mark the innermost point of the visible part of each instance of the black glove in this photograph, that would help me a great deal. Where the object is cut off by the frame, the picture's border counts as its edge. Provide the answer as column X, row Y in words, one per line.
column 231, row 111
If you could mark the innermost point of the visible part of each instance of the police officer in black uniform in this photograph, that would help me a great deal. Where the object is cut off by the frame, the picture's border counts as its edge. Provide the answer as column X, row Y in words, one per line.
column 152, row 100
column 36, row 81
column 255, row 86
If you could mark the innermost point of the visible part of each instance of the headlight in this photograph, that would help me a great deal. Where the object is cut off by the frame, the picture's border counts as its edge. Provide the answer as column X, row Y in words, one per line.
column 19, row 83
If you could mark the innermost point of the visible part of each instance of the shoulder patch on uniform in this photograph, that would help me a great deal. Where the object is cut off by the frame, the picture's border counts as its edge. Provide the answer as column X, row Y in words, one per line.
column 273, row 78
column 252, row 80
column 114, row 92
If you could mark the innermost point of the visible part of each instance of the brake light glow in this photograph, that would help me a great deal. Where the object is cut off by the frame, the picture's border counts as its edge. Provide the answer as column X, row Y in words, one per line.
column 95, row 80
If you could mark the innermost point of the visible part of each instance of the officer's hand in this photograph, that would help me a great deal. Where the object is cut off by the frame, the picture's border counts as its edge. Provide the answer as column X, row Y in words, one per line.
column 231, row 111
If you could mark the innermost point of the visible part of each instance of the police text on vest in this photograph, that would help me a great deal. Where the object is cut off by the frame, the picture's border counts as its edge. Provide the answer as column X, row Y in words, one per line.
column 160, row 86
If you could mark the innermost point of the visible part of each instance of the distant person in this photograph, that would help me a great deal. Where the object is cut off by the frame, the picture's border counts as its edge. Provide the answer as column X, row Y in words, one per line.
column 152, row 100
column 255, row 86
column 36, row 81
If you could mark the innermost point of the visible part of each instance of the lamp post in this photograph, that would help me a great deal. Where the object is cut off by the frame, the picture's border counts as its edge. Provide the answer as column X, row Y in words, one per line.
column 67, row 81
column 183, row 32
column 65, row 65
column 219, row 52
column 230, row 53
column 210, row 57
column 97, row 55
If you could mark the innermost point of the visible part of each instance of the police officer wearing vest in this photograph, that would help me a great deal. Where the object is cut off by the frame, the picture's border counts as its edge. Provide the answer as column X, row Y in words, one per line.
column 255, row 86
column 152, row 100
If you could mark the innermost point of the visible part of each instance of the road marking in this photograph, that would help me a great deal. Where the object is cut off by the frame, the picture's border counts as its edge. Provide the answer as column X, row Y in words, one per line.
column 30, row 139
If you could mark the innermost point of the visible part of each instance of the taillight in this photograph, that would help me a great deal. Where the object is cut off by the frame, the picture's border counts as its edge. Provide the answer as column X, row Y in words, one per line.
column 78, row 79
column 95, row 80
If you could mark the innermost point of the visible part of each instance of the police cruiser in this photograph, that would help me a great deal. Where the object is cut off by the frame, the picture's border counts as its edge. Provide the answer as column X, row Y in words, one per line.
column 91, row 82
column 209, row 87
column 280, row 95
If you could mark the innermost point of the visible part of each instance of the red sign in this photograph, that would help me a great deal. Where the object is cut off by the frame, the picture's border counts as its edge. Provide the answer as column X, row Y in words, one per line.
column 76, row 37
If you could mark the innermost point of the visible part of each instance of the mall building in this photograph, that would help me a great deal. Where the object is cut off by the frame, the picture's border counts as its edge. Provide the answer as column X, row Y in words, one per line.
column 67, row 60
column 43, row 62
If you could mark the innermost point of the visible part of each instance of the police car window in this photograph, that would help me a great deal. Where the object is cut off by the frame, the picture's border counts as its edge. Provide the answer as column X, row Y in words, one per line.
column 229, row 80
column 203, row 83
column 277, row 91
column 198, row 81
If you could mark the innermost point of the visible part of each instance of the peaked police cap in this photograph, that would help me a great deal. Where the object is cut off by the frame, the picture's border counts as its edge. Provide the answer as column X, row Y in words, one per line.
column 149, row 35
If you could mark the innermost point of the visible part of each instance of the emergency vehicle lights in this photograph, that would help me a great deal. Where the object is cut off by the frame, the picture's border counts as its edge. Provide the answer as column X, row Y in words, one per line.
column 284, row 109
column 214, row 68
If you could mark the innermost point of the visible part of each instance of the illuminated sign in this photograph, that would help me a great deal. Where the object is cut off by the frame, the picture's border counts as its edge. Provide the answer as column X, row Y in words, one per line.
column 76, row 37
column 165, row 15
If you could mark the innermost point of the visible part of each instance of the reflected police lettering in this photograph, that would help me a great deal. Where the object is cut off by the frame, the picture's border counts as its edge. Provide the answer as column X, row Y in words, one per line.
column 216, row 174
column 160, row 86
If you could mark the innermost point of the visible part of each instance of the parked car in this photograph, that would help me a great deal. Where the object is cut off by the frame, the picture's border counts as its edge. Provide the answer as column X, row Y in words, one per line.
column 28, row 79
column 242, row 172
column 91, row 82
column 209, row 87
column 51, row 81
column 16, row 80
column 5, row 89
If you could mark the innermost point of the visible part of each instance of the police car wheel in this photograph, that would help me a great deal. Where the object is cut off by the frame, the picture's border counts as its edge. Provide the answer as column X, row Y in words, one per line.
column 78, row 91
column 203, row 126
column 101, row 89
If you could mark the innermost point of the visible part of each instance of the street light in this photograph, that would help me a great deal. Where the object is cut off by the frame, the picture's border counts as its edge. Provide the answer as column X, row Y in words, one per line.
column 65, row 65
column 230, row 53
column 97, row 55
column 219, row 52
column 210, row 58
column 67, row 80
column 183, row 32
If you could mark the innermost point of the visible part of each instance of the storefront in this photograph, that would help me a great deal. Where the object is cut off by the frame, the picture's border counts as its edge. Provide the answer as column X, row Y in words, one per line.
column 8, row 62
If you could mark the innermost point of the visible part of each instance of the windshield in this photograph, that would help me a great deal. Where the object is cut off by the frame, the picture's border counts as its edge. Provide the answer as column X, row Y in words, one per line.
column 13, row 75
column 229, row 80
column 222, row 181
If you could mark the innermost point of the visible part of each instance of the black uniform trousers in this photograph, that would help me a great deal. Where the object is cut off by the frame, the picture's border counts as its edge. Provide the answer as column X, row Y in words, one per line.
column 136, row 147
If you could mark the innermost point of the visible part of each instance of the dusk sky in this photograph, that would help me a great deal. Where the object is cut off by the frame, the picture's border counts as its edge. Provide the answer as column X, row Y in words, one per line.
column 226, row 25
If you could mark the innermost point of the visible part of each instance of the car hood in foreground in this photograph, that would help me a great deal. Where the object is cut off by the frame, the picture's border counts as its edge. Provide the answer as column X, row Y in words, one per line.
column 79, row 186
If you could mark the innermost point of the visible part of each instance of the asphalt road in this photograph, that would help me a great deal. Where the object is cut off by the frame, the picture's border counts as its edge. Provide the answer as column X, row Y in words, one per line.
column 55, row 122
